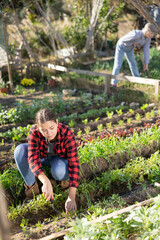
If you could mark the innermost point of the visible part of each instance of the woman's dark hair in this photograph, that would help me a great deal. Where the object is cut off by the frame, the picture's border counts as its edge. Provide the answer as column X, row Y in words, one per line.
column 44, row 115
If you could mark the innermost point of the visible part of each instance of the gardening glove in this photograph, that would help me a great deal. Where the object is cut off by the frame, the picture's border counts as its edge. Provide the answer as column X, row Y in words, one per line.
column 70, row 205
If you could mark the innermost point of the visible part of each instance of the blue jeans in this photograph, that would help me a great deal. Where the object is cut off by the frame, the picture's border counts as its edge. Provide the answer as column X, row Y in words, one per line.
column 122, row 50
column 59, row 166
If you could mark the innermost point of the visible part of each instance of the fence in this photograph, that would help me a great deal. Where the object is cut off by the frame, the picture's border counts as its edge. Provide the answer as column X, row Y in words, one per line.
column 107, row 90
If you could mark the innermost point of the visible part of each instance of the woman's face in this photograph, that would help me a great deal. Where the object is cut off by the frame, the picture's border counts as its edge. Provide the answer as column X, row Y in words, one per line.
column 149, row 34
column 49, row 129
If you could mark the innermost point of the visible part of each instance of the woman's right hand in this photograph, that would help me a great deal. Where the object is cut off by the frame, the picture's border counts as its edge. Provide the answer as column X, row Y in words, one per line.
column 47, row 189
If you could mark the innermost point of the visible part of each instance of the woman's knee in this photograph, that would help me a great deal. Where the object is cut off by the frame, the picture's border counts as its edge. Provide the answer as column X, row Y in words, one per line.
column 21, row 152
column 59, row 170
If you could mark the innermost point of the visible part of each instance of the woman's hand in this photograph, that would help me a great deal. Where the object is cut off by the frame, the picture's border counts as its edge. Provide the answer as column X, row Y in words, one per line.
column 70, row 204
column 47, row 186
column 145, row 68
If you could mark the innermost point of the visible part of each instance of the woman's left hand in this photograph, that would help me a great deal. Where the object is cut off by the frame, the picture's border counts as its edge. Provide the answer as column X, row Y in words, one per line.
column 145, row 67
column 70, row 205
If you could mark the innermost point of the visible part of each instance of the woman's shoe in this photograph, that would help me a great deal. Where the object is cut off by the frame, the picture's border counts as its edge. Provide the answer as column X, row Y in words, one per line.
column 32, row 191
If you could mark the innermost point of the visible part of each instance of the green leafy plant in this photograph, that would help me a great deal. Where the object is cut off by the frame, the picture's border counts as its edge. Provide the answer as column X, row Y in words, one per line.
column 131, row 110
column 152, row 113
column 79, row 133
column 147, row 115
column 87, row 130
column 72, row 123
column 96, row 120
column 129, row 120
column 109, row 114
column 144, row 106
column 138, row 117
column 119, row 112
column 85, row 121
column 109, row 125
column 100, row 127
column 120, row 123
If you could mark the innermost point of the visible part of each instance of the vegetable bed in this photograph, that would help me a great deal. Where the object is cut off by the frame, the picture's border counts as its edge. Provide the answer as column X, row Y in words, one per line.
column 119, row 161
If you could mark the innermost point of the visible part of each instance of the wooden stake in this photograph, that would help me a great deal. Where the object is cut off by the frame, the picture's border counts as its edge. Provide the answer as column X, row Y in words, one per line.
column 7, row 51
column 101, row 219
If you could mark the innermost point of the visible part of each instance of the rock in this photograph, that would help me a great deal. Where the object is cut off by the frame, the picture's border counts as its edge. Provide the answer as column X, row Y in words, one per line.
column 123, row 103
column 69, row 92
column 133, row 104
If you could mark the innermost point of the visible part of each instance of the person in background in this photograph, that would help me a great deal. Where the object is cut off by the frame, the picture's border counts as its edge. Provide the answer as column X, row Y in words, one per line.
column 135, row 39
column 53, row 144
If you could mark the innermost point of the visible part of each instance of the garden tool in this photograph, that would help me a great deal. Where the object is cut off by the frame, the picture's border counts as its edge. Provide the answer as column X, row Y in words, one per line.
column 53, row 207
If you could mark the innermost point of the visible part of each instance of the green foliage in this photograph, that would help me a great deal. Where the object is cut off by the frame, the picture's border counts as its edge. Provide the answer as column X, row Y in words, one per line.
column 75, row 34
column 138, row 117
column 145, row 221
column 11, row 180
column 109, row 146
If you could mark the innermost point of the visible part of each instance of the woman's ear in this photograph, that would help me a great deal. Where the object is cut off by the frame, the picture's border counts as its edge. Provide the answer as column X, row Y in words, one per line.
column 57, row 121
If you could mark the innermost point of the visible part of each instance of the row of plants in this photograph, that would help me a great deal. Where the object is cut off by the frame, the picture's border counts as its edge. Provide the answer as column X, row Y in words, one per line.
column 24, row 112
column 137, row 171
column 141, row 223
column 17, row 134
column 65, row 119
column 94, row 151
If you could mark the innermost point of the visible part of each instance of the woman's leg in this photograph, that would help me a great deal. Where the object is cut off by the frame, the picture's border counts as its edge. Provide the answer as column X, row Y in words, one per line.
column 132, row 63
column 59, row 168
column 21, row 158
column 118, row 60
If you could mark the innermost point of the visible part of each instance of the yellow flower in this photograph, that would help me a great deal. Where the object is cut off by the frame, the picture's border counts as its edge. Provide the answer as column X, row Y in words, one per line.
column 27, row 82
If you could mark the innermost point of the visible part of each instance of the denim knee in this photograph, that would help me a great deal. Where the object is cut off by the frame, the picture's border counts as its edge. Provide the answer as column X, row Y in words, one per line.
column 21, row 152
column 59, row 169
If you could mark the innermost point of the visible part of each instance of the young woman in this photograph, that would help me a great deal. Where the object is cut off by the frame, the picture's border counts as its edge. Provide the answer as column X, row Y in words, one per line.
column 139, row 39
column 53, row 144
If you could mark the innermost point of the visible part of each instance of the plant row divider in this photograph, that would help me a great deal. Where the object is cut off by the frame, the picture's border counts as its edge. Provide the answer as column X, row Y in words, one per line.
column 102, row 218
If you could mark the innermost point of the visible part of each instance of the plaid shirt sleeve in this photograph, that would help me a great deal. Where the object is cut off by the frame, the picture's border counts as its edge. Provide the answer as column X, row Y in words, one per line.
column 72, row 157
column 34, row 149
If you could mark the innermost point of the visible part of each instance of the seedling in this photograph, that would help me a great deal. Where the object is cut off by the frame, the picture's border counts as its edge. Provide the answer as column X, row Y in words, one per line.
column 87, row 130
column 129, row 120
column 131, row 110
column 85, row 121
column 119, row 112
column 109, row 125
column 72, row 123
column 138, row 117
column 147, row 115
column 100, row 127
column 96, row 120
column 144, row 106
column 121, row 122
column 109, row 114
column 79, row 133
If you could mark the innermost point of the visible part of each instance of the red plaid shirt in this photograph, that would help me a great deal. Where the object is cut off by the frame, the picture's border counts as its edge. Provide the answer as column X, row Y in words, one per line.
column 65, row 147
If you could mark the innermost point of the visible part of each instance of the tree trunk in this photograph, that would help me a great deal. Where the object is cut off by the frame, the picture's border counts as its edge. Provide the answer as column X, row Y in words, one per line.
column 97, row 5
column 55, row 34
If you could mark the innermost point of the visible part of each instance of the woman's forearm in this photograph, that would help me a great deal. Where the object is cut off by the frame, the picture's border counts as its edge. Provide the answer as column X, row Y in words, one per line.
column 72, row 192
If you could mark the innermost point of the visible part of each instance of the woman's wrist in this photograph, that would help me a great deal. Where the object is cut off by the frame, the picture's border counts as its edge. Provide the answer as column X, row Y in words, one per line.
column 43, row 178
column 72, row 192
